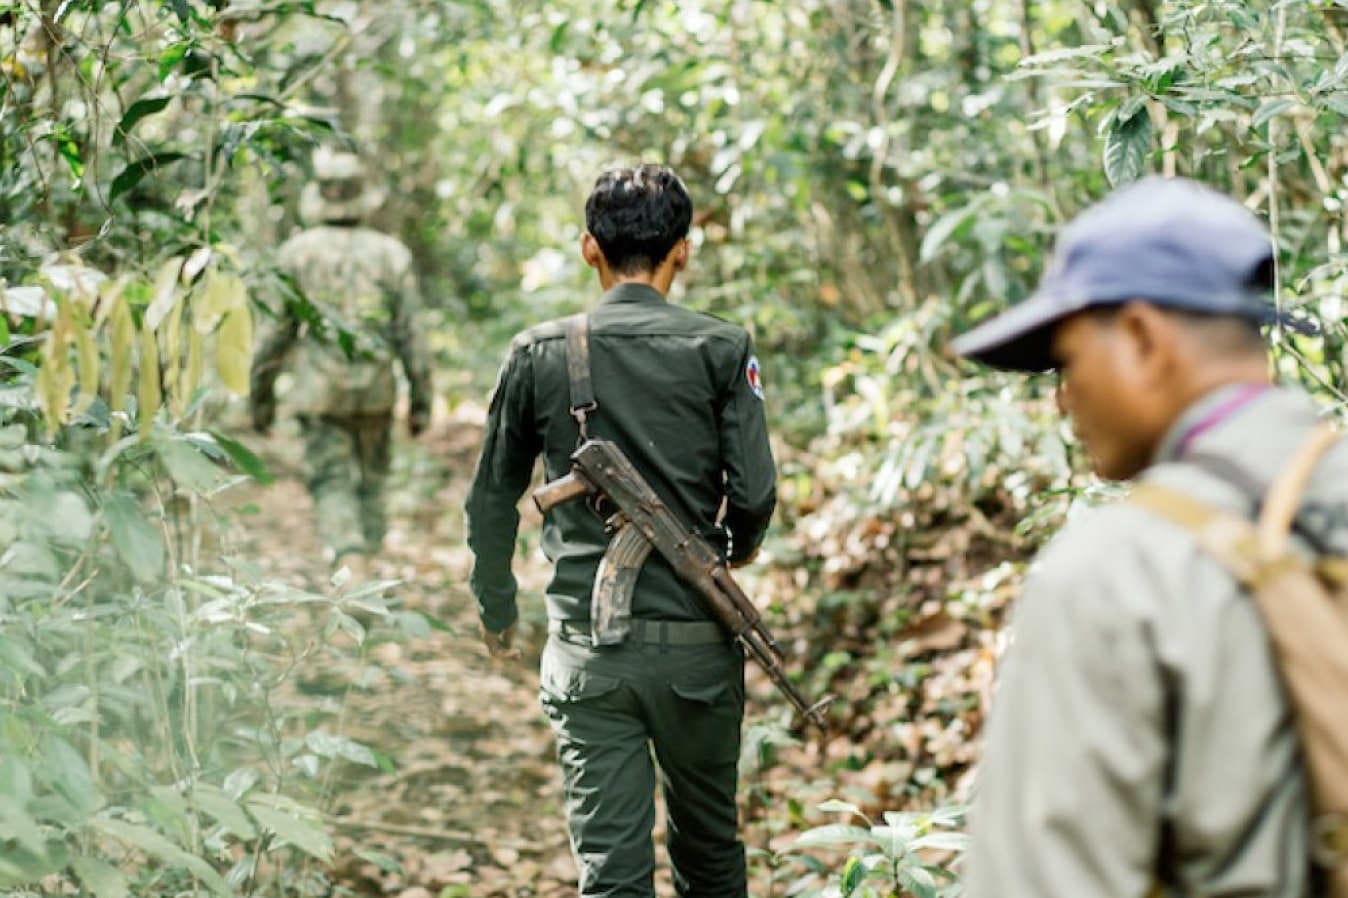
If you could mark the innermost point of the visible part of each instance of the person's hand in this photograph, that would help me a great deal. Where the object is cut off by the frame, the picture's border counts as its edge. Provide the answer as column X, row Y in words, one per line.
column 416, row 423
column 498, row 644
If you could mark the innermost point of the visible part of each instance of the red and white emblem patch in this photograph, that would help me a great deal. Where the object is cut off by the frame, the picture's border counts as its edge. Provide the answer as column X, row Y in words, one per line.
column 754, row 376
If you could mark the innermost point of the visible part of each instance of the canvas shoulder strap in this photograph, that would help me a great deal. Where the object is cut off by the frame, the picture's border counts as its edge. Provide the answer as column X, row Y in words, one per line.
column 1305, row 613
column 583, row 403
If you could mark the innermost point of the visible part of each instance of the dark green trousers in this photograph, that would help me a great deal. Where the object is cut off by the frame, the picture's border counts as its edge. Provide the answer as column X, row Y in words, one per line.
column 346, row 465
column 617, row 712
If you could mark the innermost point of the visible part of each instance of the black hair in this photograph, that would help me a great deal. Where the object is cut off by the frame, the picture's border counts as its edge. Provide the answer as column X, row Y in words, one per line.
column 1220, row 335
column 638, row 215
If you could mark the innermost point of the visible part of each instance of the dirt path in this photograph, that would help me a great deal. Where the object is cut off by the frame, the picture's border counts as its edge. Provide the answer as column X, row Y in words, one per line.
column 474, row 806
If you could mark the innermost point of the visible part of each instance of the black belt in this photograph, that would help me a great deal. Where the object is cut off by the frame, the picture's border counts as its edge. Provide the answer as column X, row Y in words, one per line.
column 659, row 632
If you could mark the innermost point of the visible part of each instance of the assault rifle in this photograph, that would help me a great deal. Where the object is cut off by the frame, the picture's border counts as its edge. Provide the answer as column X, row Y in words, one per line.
column 640, row 522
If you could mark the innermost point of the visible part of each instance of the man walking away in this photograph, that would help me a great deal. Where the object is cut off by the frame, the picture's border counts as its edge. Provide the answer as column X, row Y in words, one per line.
column 364, row 280
column 680, row 393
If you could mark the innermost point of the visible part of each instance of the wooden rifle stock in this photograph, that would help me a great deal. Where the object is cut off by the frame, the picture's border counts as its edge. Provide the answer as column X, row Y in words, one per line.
column 600, row 467
column 562, row 490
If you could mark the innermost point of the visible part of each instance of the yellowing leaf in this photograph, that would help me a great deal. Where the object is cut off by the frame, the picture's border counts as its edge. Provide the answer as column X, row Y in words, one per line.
column 109, row 297
column 234, row 350
column 166, row 292
column 172, row 342
column 86, row 350
column 56, row 377
column 194, row 367
column 149, row 395
column 221, row 294
column 196, row 263
column 121, row 344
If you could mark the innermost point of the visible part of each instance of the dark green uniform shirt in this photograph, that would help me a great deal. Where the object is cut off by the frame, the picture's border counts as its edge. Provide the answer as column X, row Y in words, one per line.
column 679, row 392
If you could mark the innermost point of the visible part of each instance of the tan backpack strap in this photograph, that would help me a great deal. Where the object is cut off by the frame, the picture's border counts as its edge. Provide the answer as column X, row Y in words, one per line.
column 1284, row 497
column 1228, row 538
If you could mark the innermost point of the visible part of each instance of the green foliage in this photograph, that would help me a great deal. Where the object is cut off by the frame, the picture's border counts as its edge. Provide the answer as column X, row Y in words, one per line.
column 896, row 856
column 870, row 177
column 144, row 745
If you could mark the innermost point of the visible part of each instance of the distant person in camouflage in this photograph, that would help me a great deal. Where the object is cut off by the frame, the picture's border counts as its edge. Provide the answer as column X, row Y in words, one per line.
column 364, row 280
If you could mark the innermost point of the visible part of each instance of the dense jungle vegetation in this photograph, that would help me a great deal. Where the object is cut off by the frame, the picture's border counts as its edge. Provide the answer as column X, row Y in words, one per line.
column 189, row 704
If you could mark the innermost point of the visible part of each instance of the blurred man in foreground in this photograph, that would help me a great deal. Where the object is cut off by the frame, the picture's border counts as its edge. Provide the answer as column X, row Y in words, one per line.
column 1141, row 742
column 363, row 280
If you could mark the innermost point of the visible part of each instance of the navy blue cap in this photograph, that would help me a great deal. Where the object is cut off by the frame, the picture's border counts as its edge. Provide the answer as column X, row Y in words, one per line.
column 1170, row 242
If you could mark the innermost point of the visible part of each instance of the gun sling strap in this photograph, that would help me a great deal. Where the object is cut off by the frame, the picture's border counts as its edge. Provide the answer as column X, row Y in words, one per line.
column 611, row 598
column 1303, row 603
column 578, row 372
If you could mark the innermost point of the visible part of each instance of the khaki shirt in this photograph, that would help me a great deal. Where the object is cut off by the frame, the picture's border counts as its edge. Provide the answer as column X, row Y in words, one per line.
column 681, row 395
column 361, row 280
column 1140, row 733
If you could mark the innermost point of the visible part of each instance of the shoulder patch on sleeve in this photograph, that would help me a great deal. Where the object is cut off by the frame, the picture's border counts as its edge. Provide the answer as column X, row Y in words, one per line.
column 754, row 376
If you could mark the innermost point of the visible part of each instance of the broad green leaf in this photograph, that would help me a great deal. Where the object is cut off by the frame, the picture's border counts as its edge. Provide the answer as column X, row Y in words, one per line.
column 68, row 518
column 1271, row 109
column 941, row 842
column 382, row 861
column 68, row 773
column 238, row 782
column 138, row 110
column 69, row 150
column 306, row 835
column 103, row 880
column 135, row 171
column 142, row 838
column 243, row 458
column 946, row 226
column 834, row 835
column 852, row 876
column 16, row 780
column 169, row 59
column 20, row 865
column 1064, row 54
column 17, row 658
column 838, row 806
column 137, row 541
column 332, row 746
column 917, row 880
column 187, row 466
column 1127, row 144
column 18, row 828
column 225, row 810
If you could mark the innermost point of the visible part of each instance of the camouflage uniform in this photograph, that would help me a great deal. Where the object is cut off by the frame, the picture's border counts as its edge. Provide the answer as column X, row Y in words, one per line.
column 364, row 280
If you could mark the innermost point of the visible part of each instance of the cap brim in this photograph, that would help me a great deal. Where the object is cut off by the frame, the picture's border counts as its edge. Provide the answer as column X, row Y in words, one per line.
column 1019, row 339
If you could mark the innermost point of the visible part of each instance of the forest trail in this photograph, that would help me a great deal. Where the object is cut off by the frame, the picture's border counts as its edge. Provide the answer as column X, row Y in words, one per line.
column 474, row 805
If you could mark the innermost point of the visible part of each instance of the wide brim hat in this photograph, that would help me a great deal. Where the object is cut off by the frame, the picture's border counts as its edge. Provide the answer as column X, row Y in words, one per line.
column 316, row 208
column 353, row 200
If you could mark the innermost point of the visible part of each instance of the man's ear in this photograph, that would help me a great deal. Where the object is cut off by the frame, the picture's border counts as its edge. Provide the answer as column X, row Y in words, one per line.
column 590, row 251
column 1152, row 340
column 681, row 253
